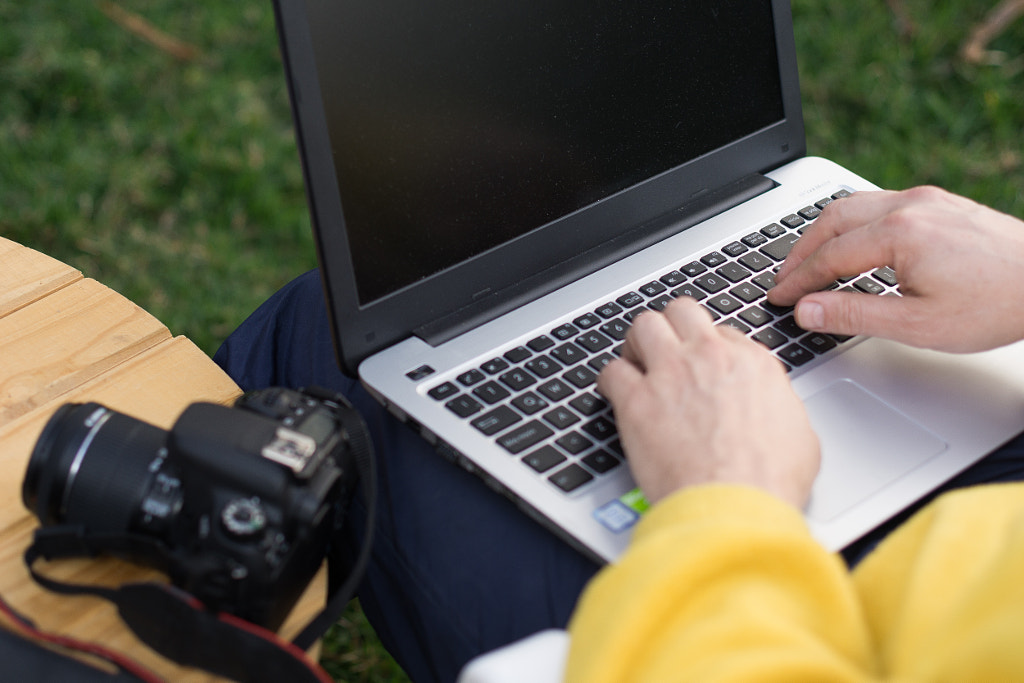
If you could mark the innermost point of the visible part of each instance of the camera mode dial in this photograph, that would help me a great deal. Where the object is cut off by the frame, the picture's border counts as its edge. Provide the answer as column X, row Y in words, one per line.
column 244, row 517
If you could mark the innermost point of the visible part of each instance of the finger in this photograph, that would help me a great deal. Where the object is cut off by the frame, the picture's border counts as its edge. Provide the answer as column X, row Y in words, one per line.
column 688, row 318
column 840, row 216
column 619, row 380
column 852, row 313
column 650, row 339
column 849, row 253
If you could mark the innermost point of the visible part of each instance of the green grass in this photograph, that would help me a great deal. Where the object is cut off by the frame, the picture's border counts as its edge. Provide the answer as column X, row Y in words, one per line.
column 178, row 183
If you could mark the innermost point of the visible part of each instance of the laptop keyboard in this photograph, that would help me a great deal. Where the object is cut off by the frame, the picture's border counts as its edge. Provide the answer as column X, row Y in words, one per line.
column 538, row 401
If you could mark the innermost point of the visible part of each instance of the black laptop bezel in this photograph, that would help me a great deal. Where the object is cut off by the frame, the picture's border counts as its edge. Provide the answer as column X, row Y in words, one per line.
column 443, row 305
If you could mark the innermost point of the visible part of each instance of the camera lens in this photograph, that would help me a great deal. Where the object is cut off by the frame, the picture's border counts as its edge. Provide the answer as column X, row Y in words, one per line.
column 93, row 467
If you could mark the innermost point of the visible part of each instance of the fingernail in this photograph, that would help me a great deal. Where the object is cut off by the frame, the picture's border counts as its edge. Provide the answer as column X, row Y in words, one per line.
column 810, row 316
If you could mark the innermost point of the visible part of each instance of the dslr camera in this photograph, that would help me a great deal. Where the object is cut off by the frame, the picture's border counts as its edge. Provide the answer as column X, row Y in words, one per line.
column 236, row 505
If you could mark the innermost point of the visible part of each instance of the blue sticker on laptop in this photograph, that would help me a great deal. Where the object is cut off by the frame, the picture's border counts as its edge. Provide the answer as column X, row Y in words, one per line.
column 622, row 513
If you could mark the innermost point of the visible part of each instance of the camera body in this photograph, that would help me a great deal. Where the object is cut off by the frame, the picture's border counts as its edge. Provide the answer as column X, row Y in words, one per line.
column 237, row 505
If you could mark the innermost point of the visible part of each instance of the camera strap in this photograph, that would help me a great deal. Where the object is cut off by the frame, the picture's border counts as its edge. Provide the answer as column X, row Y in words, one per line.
column 175, row 624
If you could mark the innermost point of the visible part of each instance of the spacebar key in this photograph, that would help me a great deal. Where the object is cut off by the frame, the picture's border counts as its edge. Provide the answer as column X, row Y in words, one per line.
column 523, row 437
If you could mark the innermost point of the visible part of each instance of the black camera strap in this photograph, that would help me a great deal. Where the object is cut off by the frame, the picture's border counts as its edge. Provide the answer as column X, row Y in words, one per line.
column 179, row 627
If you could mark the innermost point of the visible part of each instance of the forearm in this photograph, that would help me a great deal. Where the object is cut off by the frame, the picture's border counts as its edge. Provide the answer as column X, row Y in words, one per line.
column 721, row 583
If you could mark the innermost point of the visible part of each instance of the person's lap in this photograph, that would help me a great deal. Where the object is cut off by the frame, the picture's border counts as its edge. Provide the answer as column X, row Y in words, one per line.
column 456, row 569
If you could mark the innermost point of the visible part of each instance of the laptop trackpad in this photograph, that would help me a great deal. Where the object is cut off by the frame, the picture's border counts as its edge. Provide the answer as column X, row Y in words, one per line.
column 866, row 444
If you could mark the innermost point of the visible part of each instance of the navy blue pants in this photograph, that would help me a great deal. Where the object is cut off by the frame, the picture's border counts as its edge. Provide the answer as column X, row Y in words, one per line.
column 457, row 570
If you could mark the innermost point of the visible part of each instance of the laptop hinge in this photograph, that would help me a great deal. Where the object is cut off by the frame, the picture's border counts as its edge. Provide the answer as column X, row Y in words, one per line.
column 701, row 208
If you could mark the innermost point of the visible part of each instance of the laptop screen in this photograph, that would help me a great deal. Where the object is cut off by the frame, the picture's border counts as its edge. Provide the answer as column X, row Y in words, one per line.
column 458, row 125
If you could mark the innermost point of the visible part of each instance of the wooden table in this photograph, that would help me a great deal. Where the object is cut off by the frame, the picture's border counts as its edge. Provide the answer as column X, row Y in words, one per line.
column 66, row 338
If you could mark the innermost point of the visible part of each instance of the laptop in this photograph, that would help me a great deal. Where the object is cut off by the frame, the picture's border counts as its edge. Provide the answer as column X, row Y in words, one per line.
column 497, row 189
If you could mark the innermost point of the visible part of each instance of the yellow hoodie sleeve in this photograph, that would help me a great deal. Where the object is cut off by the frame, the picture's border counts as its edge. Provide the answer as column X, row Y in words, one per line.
column 721, row 583
column 725, row 583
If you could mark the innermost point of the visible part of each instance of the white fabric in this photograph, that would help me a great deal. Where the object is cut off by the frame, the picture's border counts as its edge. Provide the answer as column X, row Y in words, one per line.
column 539, row 658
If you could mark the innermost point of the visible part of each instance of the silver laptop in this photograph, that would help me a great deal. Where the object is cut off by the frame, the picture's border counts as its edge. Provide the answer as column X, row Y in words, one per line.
column 498, row 188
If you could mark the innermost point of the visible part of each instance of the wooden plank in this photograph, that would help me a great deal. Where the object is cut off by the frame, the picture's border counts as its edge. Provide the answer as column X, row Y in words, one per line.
column 27, row 276
column 66, row 339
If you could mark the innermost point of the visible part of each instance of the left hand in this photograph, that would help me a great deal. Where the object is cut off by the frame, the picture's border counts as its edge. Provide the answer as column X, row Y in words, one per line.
column 696, row 403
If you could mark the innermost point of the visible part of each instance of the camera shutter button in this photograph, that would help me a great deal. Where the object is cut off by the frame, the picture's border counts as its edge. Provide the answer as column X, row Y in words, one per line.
column 244, row 517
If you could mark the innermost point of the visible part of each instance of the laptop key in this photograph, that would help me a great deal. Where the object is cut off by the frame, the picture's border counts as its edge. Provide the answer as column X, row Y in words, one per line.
column 543, row 366
column 629, row 300
column 463, row 405
column 694, row 268
column 594, row 341
column 773, row 339
column 521, row 438
column 788, row 327
column 755, row 261
column 609, row 310
column 755, row 316
column 494, row 366
column 491, row 392
column 711, row 283
column 673, row 278
column 570, row 478
column 795, row 354
column 765, row 280
column 886, row 275
column 734, row 248
column 747, row 293
column 443, row 391
column 600, row 428
column 616, row 329
column 540, row 343
column 529, row 403
column 713, row 260
column 792, row 221
column 568, row 354
column 587, row 321
column 517, row 355
column 574, row 443
column 754, row 240
column 735, row 324
column 556, row 390
column 470, row 377
column 601, row 461
column 653, row 288
column 779, row 249
column 517, row 379
column 690, row 291
column 561, row 417
column 563, row 332
column 581, row 377
column 660, row 303
column 588, row 404
column 819, row 343
column 492, row 422
column 543, row 459
column 734, row 272
column 869, row 286
column 724, row 303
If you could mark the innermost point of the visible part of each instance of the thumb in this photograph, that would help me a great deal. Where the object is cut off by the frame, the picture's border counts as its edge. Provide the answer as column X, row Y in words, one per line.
column 851, row 313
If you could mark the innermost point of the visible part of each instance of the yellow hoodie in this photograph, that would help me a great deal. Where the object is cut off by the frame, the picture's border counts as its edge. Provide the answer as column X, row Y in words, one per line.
column 725, row 583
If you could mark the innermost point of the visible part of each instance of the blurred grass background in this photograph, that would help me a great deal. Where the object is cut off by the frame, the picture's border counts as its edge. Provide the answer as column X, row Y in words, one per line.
column 168, row 170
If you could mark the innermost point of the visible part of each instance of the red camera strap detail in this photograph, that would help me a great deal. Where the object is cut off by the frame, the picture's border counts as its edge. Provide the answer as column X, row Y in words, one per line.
column 180, row 628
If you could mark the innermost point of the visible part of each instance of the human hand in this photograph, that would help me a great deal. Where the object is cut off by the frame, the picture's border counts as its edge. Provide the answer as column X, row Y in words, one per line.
column 696, row 403
column 960, row 267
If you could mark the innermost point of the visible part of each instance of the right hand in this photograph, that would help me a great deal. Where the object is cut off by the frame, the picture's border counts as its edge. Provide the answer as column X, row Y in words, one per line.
column 960, row 267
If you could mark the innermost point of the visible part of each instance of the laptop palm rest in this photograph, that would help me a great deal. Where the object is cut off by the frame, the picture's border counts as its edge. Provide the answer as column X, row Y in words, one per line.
column 866, row 444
